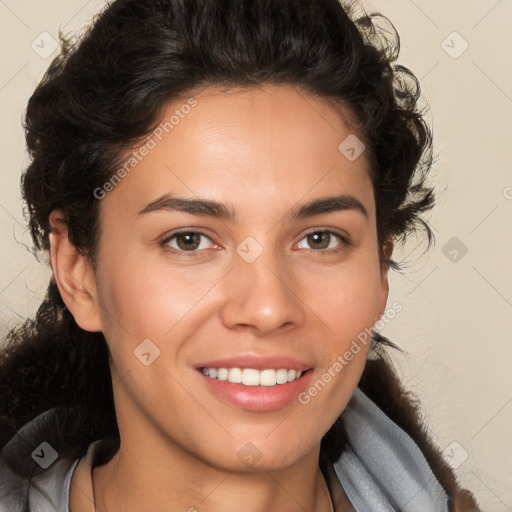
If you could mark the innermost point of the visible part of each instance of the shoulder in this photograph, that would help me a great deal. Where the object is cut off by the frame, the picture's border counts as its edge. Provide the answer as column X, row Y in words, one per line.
column 33, row 473
column 381, row 465
column 390, row 448
column 47, row 492
column 11, row 488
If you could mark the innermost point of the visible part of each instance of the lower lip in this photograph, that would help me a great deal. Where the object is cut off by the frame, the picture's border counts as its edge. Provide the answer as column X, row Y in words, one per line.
column 258, row 398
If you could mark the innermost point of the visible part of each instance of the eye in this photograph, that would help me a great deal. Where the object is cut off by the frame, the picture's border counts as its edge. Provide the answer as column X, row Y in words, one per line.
column 187, row 242
column 191, row 243
column 325, row 241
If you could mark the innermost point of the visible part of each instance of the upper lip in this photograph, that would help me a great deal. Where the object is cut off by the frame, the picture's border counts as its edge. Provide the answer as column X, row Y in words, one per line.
column 256, row 362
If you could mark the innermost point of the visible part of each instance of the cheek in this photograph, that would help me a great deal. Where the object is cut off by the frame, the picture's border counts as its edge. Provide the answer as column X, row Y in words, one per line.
column 345, row 297
column 143, row 300
column 144, row 295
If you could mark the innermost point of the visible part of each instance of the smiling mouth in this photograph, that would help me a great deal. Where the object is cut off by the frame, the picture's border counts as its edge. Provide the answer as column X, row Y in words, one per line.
column 252, row 377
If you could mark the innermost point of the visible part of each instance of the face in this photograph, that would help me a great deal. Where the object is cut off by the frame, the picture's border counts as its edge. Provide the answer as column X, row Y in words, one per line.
column 253, row 279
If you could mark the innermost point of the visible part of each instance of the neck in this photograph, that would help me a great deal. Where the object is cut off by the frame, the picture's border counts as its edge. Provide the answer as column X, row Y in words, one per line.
column 132, row 481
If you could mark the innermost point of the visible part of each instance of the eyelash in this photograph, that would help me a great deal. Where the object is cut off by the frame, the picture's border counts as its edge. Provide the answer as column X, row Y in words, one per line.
column 323, row 252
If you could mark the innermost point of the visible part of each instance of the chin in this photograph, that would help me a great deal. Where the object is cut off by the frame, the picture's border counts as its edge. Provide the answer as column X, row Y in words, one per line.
column 251, row 459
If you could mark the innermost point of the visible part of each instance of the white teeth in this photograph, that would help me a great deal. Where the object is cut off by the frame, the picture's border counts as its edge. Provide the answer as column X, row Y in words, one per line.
column 235, row 375
column 268, row 378
column 282, row 376
column 252, row 377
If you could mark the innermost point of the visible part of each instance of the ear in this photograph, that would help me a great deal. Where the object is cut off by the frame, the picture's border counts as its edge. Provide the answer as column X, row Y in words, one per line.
column 384, row 282
column 73, row 275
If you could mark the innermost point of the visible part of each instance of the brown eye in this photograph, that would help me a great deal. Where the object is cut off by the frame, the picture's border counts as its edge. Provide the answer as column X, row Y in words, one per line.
column 187, row 241
column 324, row 241
column 319, row 240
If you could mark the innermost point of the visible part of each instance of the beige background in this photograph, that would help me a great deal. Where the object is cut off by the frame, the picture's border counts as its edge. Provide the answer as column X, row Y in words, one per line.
column 457, row 308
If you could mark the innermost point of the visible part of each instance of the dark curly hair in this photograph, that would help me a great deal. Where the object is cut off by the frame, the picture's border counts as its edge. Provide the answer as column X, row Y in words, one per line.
column 107, row 91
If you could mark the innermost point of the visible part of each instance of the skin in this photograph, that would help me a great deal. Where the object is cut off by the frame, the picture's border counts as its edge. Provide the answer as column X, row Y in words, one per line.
column 260, row 152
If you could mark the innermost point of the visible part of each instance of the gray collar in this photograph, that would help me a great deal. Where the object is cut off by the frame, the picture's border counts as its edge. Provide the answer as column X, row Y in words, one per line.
column 381, row 468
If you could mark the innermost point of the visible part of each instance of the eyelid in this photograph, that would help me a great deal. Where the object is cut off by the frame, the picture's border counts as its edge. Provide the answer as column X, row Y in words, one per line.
column 169, row 236
column 345, row 238
column 336, row 231
column 342, row 235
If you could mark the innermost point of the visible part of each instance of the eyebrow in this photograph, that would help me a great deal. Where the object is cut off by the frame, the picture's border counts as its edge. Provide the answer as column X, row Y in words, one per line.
column 218, row 210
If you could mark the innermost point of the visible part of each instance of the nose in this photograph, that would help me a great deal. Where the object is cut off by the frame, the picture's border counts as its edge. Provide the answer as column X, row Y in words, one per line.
column 261, row 296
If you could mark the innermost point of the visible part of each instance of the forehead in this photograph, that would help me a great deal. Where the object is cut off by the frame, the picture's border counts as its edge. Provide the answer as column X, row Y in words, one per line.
column 260, row 143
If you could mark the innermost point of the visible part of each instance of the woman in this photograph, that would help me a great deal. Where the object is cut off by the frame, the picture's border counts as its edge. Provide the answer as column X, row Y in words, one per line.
column 219, row 185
